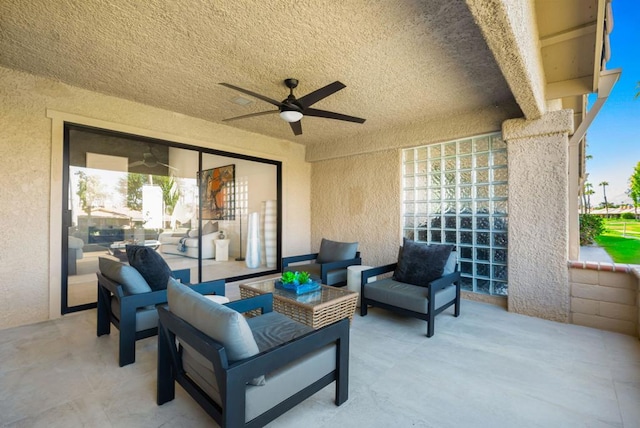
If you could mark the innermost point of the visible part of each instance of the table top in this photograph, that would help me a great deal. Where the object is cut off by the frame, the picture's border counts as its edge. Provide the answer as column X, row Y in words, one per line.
column 326, row 294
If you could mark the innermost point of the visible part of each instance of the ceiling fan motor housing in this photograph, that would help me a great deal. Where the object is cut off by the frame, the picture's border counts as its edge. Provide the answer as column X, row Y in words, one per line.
column 291, row 83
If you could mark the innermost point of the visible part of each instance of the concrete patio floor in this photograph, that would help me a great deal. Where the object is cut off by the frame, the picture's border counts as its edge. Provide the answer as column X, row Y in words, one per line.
column 487, row 368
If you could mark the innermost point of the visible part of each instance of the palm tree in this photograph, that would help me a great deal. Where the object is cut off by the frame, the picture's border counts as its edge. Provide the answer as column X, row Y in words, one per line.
column 638, row 88
column 587, row 191
column 604, row 185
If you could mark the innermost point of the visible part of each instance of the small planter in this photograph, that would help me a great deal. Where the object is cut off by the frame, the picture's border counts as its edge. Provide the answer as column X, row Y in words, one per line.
column 290, row 281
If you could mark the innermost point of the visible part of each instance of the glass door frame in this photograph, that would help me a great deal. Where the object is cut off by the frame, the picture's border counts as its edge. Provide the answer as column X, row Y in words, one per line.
column 66, row 212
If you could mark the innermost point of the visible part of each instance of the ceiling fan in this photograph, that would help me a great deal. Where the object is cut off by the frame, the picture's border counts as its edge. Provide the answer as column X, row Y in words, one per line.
column 150, row 161
column 292, row 110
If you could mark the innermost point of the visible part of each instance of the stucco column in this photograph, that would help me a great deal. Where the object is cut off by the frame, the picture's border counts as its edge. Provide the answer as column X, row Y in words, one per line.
column 538, row 214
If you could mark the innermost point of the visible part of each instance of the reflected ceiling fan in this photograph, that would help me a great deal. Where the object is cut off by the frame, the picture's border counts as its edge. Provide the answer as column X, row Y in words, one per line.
column 293, row 109
column 150, row 161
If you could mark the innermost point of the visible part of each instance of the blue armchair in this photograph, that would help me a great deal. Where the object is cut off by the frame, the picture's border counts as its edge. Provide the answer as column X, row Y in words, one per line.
column 246, row 372
column 126, row 301
column 329, row 264
column 419, row 298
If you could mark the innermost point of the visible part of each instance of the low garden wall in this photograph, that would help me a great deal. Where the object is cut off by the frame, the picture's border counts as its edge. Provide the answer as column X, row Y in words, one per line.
column 605, row 296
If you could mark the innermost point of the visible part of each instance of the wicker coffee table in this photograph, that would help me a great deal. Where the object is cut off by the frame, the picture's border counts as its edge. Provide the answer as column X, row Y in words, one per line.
column 315, row 309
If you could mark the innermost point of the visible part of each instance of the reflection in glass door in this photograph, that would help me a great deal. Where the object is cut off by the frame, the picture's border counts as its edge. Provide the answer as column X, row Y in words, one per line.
column 122, row 189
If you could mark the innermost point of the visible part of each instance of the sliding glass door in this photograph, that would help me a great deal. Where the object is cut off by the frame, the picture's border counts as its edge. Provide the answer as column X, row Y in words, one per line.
column 191, row 205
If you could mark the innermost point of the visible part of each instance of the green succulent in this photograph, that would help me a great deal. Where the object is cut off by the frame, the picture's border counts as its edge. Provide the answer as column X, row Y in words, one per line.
column 304, row 277
column 288, row 277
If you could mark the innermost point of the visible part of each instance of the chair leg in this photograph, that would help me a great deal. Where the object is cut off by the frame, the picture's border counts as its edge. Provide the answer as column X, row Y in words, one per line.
column 431, row 315
column 166, row 386
column 363, row 309
column 430, row 326
column 103, row 313
column 127, row 354
column 342, row 381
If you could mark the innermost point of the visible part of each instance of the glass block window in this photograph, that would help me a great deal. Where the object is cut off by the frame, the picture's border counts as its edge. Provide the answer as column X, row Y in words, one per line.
column 456, row 193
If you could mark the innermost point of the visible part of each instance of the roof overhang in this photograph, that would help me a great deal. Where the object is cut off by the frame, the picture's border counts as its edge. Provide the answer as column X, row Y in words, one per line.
column 574, row 46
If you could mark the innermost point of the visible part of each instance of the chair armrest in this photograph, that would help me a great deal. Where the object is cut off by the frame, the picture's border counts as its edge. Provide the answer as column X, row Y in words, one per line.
column 326, row 267
column 184, row 275
column 286, row 261
column 366, row 274
column 263, row 302
column 210, row 287
column 272, row 359
column 444, row 281
column 145, row 299
column 115, row 288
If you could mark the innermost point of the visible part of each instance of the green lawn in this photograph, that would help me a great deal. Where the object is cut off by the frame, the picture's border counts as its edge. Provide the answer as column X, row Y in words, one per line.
column 621, row 240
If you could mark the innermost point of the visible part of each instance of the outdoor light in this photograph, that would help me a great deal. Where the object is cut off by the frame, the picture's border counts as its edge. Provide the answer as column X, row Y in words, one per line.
column 290, row 115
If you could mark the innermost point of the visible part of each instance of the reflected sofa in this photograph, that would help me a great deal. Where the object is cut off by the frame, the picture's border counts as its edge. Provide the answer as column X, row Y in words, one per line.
column 172, row 241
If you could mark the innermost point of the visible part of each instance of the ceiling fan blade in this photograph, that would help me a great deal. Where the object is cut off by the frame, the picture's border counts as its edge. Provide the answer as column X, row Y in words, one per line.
column 260, row 113
column 315, row 96
column 253, row 94
column 296, row 127
column 332, row 115
column 135, row 164
column 168, row 166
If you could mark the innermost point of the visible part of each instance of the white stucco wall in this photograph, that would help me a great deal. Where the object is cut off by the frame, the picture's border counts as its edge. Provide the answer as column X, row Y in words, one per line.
column 357, row 199
column 538, row 219
column 27, row 150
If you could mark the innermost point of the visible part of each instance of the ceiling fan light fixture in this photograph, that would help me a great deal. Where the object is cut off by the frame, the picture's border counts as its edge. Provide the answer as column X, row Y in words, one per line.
column 290, row 115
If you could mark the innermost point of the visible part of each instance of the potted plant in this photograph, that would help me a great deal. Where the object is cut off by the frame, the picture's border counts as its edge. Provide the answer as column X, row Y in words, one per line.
column 289, row 278
column 299, row 282
column 304, row 277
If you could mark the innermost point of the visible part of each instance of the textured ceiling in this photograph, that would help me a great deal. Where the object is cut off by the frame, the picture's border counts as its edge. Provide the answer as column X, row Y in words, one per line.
column 402, row 61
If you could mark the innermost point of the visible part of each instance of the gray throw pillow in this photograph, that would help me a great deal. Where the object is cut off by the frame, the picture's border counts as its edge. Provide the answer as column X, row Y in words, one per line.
column 130, row 279
column 419, row 264
column 450, row 265
column 217, row 321
column 333, row 251
column 151, row 266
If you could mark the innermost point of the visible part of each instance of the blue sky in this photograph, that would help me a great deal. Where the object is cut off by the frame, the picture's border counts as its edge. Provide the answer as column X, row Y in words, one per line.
column 614, row 136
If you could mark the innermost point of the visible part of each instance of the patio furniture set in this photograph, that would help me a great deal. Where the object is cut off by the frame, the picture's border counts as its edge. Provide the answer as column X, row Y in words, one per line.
column 248, row 361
